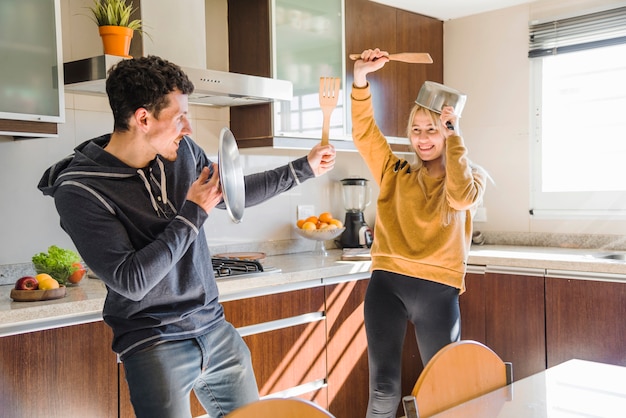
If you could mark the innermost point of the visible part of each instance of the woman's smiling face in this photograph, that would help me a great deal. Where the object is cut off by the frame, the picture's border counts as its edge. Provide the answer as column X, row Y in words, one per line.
column 428, row 142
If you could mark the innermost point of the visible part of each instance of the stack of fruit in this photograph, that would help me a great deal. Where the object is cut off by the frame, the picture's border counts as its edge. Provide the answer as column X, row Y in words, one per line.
column 41, row 281
column 324, row 221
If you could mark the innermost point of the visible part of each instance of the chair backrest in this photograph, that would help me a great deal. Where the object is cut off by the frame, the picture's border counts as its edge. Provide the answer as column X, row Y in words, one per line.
column 460, row 371
column 280, row 408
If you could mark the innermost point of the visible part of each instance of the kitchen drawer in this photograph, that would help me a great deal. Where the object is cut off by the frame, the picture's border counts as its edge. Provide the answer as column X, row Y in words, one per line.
column 260, row 309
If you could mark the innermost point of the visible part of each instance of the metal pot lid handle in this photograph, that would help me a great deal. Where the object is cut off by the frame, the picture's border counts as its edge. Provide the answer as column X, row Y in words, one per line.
column 231, row 175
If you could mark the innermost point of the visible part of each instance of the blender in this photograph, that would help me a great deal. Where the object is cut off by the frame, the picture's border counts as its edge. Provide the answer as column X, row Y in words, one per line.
column 356, row 197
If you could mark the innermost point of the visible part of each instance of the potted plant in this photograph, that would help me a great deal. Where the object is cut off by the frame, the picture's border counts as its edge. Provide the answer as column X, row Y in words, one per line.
column 115, row 26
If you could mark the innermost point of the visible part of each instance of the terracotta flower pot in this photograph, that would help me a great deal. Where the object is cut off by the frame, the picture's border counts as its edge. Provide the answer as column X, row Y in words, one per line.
column 116, row 40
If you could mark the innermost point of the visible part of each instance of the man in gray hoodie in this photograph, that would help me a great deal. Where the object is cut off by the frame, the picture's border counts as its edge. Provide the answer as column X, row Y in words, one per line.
column 134, row 203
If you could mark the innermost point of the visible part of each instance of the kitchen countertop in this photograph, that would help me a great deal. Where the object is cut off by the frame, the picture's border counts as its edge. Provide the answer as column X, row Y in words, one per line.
column 83, row 302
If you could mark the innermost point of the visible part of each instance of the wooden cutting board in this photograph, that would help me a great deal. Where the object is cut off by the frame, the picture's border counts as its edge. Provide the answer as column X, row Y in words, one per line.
column 356, row 254
column 254, row 256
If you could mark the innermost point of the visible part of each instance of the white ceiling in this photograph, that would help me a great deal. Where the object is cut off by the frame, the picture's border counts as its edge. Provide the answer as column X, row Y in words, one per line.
column 451, row 9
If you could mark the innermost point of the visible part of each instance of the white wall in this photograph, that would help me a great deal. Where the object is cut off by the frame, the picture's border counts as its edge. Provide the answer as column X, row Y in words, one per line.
column 30, row 223
column 485, row 56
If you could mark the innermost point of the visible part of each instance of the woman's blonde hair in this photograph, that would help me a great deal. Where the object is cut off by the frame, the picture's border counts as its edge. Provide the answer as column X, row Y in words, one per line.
column 447, row 212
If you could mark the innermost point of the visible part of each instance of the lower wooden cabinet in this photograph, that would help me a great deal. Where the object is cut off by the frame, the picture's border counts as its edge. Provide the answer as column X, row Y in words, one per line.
column 585, row 319
column 312, row 342
column 68, row 372
column 472, row 306
column 515, row 319
column 540, row 319
column 348, row 372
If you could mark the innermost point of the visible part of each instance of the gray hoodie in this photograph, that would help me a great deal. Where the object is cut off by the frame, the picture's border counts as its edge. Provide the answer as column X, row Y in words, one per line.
column 136, row 231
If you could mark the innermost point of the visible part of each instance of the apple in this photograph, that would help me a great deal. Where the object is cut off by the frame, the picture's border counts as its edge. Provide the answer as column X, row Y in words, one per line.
column 26, row 283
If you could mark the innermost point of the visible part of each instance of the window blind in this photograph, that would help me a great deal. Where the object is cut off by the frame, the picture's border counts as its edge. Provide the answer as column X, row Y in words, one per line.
column 589, row 31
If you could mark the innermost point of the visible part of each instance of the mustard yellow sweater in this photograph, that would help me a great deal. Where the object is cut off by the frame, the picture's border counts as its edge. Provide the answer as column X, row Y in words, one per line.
column 410, row 237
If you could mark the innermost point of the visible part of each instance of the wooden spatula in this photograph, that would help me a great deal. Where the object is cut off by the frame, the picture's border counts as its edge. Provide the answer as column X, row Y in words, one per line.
column 410, row 57
column 329, row 95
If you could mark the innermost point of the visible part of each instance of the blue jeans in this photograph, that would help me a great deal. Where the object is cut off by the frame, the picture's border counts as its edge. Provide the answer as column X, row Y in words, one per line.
column 217, row 366
column 390, row 300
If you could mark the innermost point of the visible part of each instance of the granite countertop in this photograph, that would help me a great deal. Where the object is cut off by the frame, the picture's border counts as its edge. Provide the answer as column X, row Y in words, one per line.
column 83, row 302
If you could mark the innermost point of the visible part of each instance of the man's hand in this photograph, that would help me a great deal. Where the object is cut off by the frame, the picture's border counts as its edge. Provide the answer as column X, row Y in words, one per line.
column 322, row 158
column 206, row 192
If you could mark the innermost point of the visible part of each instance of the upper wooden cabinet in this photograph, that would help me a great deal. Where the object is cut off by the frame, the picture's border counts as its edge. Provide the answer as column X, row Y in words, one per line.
column 308, row 45
column 31, row 86
column 394, row 87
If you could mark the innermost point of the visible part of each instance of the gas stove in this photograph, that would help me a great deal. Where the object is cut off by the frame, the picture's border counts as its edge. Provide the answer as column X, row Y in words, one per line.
column 228, row 267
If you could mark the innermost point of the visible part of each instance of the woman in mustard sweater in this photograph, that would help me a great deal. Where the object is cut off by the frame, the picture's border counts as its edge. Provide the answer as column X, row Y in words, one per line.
column 422, row 237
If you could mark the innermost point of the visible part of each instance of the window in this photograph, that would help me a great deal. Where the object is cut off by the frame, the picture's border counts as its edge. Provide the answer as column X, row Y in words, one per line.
column 578, row 73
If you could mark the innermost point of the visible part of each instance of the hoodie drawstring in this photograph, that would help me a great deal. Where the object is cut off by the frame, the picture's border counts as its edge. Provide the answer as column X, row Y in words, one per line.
column 149, row 189
column 163, row 182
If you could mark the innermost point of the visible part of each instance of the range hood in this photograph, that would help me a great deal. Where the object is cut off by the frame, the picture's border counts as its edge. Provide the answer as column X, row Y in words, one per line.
column 213, row 88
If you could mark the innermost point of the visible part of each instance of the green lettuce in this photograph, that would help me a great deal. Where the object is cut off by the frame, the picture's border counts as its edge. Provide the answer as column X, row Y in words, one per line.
column 57, row 262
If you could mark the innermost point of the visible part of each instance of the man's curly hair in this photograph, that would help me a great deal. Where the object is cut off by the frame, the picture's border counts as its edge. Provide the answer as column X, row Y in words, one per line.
column 143, row 82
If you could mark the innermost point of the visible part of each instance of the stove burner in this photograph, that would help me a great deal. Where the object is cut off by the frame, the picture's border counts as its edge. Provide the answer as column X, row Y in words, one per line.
column 223, row 267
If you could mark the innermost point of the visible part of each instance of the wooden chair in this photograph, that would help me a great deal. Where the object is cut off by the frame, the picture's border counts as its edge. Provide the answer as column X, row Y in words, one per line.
column 460, row 371
column 280, row 408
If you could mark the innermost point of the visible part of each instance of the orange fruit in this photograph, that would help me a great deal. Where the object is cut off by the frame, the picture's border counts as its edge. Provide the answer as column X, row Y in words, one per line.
column 42, row 276
column 300, row 222
column 48, row 283
column 326, row 217
column 313, row 219
column 321, row 225
column 337, row 223
column 309, row 226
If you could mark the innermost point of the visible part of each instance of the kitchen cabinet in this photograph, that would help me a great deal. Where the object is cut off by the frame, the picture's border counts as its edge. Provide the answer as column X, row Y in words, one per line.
column 537, row 319
column 504, row 308
column 395, row 87
column 285, row 333
column 472, row 305
column 31, row 86
column 585, row 318
column 515, row 318
column 67, row 372
column 348, row 372
column 303, row 55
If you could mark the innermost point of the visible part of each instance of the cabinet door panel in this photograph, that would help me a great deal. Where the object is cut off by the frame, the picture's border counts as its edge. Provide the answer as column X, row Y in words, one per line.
column 585, row 319
column 348, row 374
column 373, row 25
column 420, row 34
column 288, row 357
column 515, row 321
column 63, row 372
column 472, row 305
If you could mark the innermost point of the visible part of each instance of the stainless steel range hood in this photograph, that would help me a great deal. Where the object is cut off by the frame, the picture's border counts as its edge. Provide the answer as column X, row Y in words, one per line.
column 213, row 88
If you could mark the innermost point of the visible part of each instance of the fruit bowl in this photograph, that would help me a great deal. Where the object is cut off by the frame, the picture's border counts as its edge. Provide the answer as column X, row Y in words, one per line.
column 37, row 295
column 320, row 235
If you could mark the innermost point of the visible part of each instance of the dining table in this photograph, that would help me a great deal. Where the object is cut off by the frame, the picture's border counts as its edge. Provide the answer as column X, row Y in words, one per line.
column 572, row 389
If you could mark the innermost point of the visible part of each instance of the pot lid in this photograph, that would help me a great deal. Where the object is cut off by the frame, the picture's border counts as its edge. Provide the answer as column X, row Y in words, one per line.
column 231, row 175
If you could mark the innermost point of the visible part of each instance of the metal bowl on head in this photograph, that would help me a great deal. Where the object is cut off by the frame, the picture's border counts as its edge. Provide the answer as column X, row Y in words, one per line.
column 231, row 175
column 434, row 96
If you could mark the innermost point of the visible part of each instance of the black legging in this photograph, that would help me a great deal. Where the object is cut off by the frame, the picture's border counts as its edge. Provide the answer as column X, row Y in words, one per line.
column 392, row 299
